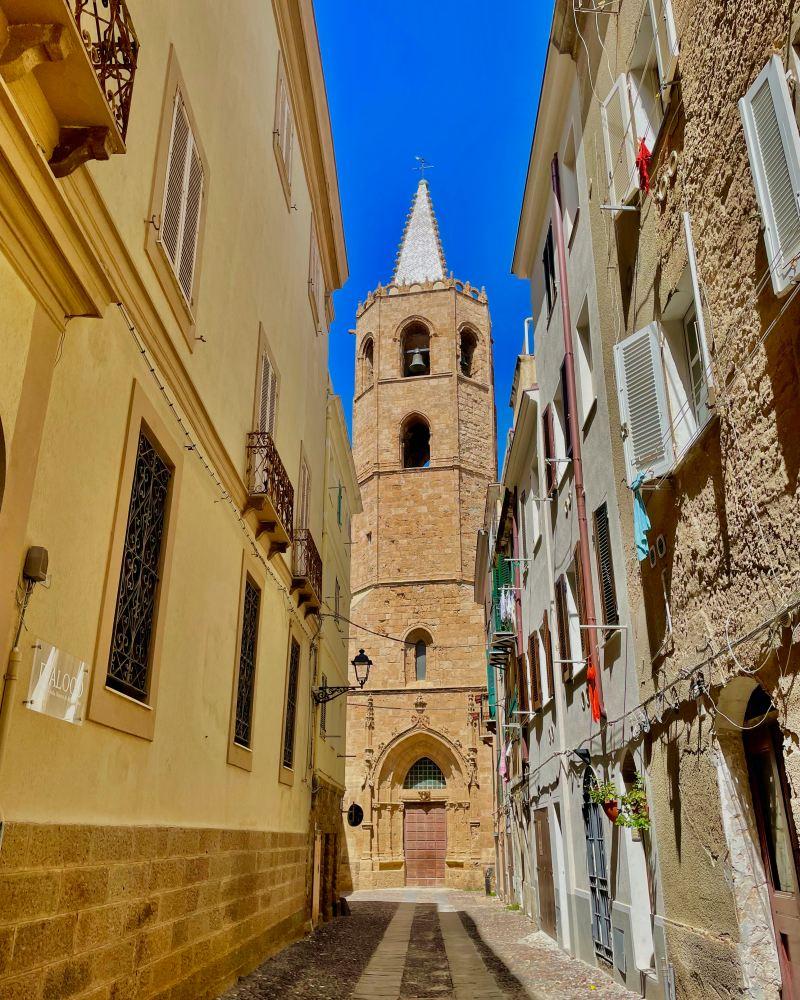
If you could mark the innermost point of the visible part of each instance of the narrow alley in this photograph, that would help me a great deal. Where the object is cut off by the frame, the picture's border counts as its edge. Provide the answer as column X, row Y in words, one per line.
column 409, row 944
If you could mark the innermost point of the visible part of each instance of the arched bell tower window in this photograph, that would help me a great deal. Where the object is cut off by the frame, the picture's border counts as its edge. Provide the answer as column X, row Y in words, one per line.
column 416, row 348
column 418, row 643
column 416, row 443
column 424, row 774
column 468, row 343
column 367, row 363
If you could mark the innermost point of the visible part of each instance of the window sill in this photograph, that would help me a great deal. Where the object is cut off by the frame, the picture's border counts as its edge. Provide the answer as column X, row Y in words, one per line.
column 240, row 756
column 571, row 237
column 286, row 775
column 591, row 409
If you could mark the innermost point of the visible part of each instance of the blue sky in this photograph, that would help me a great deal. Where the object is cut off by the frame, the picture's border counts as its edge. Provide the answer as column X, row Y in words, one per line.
column 456, row 81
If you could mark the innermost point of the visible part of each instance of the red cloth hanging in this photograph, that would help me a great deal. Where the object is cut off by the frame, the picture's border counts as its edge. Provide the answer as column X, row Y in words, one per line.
column 594, row 695
column 644, row 159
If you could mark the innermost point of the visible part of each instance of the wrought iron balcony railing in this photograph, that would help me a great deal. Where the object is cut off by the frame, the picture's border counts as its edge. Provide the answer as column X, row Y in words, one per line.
column 307, row 568
column 108, row 34
column 269, row 486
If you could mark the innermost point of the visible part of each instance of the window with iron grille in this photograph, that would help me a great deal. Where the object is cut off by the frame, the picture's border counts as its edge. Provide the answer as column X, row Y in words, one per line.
column 137, row 596
column 291, row 704
column 247, row 664
column 605, row 566
column 598, row 871
column 424, row 774
column 323, row 711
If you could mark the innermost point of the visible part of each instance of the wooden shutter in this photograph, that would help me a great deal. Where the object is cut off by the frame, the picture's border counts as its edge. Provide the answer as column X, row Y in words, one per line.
column 567, row 414
column 536, row 673
column 303, row 495
column 171, row 211
column 551, row 469
column 547, row 642
column 605, row 566
column 522, row 682
column 773, row 146
column 580, row 601
column 666, row 42
column 268, row 395
column 562, row 621
column 183, row 200
column 191, row 223
column 643, row 403
column 620, row 143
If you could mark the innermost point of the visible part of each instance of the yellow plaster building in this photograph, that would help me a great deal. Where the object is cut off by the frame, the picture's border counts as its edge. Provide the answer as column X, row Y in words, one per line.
column 170, row 234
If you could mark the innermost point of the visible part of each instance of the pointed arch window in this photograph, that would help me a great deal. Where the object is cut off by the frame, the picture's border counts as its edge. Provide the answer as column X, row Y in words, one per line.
column 367, row 363
column 424, row 774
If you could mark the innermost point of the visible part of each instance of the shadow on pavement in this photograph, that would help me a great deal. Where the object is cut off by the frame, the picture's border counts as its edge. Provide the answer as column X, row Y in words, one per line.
column 324, row 966
column 505, row 978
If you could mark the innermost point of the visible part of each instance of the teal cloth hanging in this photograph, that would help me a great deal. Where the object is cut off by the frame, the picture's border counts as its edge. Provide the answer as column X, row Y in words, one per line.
column 641, row 521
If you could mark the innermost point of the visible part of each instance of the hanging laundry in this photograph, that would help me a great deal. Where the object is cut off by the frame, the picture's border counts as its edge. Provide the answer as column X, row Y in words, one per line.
column 507, row 609
column 641, row 521
column 644, row 159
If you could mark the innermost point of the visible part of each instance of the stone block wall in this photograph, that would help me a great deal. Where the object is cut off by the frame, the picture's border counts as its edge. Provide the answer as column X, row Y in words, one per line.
column 143, row 913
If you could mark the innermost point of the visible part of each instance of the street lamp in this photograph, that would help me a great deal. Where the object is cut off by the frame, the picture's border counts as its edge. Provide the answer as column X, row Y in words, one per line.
column 361, row 664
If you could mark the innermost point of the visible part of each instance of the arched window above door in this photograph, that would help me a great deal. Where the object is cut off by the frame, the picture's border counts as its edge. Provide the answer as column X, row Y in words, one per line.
column 424, row 774
column 418, row 643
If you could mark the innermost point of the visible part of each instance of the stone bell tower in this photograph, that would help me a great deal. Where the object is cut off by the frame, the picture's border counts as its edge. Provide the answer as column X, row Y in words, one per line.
column 425, row 449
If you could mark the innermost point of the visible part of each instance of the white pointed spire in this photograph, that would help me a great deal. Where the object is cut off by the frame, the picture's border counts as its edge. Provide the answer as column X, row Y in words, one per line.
column 421, row 257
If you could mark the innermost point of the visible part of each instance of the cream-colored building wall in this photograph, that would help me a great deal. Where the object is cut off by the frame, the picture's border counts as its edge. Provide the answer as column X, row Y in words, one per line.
column 15, row 326
column 254, row 266
column 254, row 270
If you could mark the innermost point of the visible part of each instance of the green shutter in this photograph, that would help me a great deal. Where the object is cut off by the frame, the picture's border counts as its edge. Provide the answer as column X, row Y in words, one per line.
column 490, row 683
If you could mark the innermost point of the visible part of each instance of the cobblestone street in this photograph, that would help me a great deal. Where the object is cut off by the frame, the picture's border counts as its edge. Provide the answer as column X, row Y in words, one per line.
column 426, row 943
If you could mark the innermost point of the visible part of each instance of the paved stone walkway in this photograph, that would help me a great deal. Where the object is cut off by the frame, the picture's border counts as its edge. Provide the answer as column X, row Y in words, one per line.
column 426, row 944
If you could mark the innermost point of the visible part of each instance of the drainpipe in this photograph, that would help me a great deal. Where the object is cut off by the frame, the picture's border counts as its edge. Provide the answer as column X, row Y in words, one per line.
column 593, row 667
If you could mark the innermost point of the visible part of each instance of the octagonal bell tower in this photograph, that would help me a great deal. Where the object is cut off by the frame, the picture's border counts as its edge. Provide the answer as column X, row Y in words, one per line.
column 425, row 450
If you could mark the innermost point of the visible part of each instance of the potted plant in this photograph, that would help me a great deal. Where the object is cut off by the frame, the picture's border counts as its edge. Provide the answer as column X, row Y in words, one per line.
column 607, row 796
column 634, row 811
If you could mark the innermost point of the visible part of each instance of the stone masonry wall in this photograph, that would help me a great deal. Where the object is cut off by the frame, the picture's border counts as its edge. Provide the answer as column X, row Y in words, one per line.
column 143, row 913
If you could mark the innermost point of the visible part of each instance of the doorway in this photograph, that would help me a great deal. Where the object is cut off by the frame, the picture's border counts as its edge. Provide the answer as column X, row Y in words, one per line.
column 425, row 843
column 598, row 871
column 763, row 747
column 544, row 868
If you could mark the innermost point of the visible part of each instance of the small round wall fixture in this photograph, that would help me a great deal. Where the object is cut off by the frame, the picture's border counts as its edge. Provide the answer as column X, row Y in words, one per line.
column 355, row 815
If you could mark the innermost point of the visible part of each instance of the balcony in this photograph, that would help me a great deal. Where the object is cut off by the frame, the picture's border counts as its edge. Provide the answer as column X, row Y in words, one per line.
column 270, row 491
column 306, row 572
column 82, row 55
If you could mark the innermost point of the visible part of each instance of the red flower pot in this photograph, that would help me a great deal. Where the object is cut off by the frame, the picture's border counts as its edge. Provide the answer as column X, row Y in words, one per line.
column 611, row 809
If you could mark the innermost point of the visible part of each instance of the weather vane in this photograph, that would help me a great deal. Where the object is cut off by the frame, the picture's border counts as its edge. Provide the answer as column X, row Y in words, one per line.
column 423, row 165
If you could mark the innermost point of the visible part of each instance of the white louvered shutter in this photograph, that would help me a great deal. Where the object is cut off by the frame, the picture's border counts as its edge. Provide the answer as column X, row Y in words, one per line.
column 268, row 395
column 191, row 223
column 619, row 143
column 666, row 34
column 172, row 209
column 183, row 200
column 773, row 146
column 643, row 403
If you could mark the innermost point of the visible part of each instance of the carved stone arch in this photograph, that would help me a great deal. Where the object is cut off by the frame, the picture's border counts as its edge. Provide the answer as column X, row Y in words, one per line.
column 404, row 749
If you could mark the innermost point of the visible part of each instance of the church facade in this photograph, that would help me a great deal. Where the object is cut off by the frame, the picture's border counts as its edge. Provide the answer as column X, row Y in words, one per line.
column 419, row 774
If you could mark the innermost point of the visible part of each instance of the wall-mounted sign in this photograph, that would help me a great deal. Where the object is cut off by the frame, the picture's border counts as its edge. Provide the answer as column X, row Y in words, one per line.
column 59, row 683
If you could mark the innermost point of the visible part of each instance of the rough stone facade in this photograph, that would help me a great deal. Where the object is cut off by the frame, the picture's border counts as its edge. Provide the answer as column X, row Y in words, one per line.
column 714, row 609
column 413, row 566
column 143, row 912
